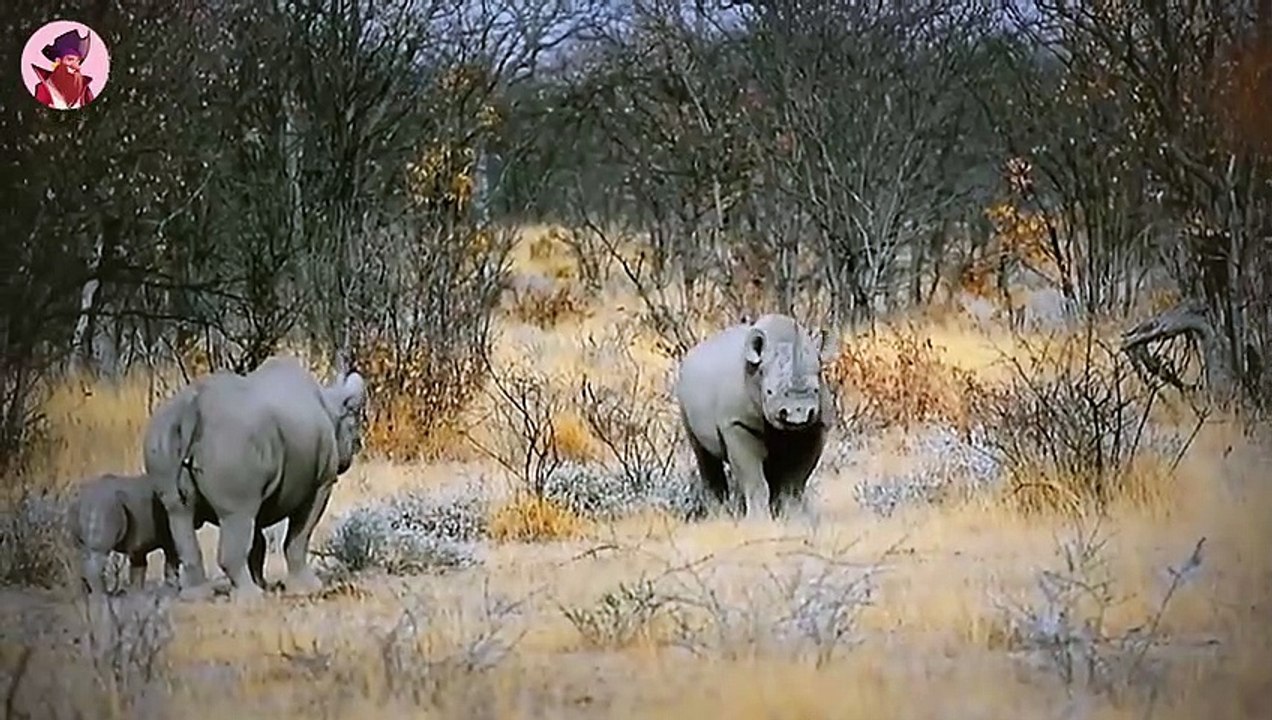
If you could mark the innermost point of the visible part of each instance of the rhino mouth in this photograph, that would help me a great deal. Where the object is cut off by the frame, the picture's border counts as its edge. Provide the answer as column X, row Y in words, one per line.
column 788, row 425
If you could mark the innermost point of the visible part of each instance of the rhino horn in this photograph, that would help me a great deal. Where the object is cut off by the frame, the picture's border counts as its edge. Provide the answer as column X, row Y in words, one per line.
column 354, row 389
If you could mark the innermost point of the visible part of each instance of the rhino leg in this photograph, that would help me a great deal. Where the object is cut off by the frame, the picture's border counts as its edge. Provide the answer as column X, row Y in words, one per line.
column 746, row 460
column 256, row 558
column 788, row 471
column 192, row 578
column 300, row 528
column 171, row 567
column 94, row 569
column 237, row 533
column 711, row 469
column 137, row 571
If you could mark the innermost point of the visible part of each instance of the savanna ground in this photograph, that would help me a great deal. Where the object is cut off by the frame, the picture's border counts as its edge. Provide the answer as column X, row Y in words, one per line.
column 999, row 531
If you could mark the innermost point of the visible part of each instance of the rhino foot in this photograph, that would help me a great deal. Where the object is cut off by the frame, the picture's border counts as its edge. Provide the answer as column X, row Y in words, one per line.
column 197, row 593
column 302, row 582
column 249, row 594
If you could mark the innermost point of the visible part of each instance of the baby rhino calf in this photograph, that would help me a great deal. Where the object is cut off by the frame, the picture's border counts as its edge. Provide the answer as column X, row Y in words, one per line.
column 122, row 513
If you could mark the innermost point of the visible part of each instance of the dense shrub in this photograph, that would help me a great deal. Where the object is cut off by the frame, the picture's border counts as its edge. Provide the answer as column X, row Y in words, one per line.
column 34, row 542
column 409, row 533
column 901, row 380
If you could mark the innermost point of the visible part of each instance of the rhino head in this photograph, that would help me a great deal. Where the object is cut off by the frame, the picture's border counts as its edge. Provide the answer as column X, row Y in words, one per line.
column 347, row 399
column 784, row 372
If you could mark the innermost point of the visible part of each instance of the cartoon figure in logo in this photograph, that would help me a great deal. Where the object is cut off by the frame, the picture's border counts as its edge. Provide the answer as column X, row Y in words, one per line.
column 64, row 86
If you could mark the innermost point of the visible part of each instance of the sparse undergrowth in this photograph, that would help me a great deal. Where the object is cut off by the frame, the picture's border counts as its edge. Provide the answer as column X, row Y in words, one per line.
column 575, row 495
column 901, row 380
column 34, row 542
column 544, row 301
column 414, row 532
column 605, row 453
column 127, row 639
column 805, row 606
column 119, row 667
column 1069, row 429
column 1073, row 432
column 949, row 468
column 535, row 518
column 620, row 616
column 1067, row 626
column 416, row 402
column 598, row 492
column 419, row 668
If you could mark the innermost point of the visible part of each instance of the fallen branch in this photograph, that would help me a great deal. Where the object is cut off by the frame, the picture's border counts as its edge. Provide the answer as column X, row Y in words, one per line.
column 1187, row 319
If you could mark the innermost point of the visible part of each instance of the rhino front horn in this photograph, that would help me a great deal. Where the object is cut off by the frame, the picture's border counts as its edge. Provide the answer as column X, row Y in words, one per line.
column 355, row 388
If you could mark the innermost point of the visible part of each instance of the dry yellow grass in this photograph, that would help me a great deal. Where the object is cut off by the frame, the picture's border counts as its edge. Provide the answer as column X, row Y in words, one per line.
column 1146, row 485
column 95, row 427
column 934, row 642
column 528, row 518
column 573, row 438
column 542, row 249
column 934, row 624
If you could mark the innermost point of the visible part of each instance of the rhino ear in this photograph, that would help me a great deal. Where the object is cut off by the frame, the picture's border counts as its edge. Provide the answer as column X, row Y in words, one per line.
column 355, row 391
column 754, row 346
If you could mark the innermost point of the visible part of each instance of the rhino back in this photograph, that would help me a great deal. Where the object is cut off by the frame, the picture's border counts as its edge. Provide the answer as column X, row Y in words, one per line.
column 308, row 429
column 163, row 441
column 264, row 437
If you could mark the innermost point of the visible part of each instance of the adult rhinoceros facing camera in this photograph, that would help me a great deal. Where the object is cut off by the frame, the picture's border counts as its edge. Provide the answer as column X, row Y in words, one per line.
column 752, row 396
column 246, row 451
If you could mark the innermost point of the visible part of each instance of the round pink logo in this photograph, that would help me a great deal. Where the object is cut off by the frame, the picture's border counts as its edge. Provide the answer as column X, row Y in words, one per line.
column 65, row 65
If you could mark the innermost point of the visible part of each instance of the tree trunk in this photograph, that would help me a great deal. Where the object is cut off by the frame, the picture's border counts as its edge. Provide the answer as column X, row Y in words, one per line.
column 81, row 340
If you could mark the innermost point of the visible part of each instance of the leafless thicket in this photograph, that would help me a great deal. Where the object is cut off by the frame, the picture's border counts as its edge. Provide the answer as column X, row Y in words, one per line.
column 118, row 667
column 803, row 605
column 1067, row 625
column 421, row 667
column 343, row 175
column 1073, row 421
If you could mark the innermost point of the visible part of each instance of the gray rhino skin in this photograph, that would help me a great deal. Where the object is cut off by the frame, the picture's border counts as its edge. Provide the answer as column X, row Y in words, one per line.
column 752, row 396
column 120, row 513
column 245, row 452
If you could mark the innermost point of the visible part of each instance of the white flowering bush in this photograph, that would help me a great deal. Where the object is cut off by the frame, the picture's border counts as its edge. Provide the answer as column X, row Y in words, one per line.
column 951, row 466
column 602, row 493
column 409, row 533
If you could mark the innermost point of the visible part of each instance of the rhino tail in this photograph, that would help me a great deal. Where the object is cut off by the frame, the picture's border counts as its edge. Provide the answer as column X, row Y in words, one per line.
column 187, row 434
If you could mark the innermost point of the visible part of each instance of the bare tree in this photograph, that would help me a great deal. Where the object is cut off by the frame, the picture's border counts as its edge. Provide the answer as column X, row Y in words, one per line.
column 1185, row 97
